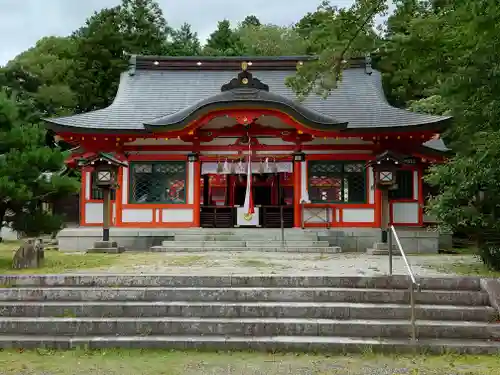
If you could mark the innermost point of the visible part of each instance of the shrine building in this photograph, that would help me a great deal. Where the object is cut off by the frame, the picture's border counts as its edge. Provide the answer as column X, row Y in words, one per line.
column 188, row 126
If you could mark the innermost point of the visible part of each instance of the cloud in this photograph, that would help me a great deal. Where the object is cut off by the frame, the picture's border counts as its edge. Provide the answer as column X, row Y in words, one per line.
column 23, row 22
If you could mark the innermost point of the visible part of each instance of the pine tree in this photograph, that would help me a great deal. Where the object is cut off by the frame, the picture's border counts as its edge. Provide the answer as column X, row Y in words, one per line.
column 102, row 45
column 223, row 41
column 251, row 20
column 185, row 42
column 29, row 172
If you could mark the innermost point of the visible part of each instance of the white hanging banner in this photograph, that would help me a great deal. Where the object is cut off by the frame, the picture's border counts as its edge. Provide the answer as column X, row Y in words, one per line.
column 304, row 192
column 241, row 167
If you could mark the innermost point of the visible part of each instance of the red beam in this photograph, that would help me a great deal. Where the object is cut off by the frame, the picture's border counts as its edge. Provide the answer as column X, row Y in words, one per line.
column 291, row 148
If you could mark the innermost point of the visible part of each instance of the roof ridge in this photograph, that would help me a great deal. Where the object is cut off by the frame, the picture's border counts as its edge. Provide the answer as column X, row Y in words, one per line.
column 151, row 62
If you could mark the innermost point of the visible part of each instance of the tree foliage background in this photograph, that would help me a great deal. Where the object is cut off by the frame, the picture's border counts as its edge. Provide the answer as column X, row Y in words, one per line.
column 436, row 56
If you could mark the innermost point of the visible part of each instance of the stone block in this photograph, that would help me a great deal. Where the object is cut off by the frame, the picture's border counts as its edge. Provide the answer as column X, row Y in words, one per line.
column 492, row 288
column 348, row 243
column 428, row 245
column 29, row 255
column 372, row 251
column 106, row 247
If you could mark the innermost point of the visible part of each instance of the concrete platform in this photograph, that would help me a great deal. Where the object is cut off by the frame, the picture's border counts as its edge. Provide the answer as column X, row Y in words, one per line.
column 180, row 248
column 414, row 240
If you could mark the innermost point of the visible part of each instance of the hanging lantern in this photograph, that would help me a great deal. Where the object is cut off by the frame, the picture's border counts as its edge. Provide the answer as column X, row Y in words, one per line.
column 225, row 168
column 241, row 167
column 262, row 167
column 219, row 167
column 274, row 166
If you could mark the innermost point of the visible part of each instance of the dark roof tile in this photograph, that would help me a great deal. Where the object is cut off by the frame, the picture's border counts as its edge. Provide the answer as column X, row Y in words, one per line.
column 150, row 94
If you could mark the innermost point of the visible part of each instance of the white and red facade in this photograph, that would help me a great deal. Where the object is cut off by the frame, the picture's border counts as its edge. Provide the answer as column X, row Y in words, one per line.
column 407, row 211
column 187, row 149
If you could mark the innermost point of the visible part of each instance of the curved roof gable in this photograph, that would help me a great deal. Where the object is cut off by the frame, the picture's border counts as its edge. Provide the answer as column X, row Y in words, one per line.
column 251, row 93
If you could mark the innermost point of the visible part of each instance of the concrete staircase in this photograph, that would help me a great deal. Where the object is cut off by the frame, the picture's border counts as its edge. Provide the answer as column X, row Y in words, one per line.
column 268, row 240
column 266, row 313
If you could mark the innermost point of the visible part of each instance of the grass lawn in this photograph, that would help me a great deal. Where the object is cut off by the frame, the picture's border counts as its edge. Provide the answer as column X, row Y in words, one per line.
column 137, row 362
column 58, row 262
column 469, row 267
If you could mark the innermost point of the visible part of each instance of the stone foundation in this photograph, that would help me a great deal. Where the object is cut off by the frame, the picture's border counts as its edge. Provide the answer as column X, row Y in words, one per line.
column 413, row 240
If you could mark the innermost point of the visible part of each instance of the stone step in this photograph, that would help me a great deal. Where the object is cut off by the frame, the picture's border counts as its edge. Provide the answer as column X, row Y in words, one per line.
column 310, row 310
column 376, row 282
column 246, row 327
column 268, row 249
column 288, row 242
column 401, row 296
column 237, row 244
column 314, row 344
column 203, row 244
column 245, row 237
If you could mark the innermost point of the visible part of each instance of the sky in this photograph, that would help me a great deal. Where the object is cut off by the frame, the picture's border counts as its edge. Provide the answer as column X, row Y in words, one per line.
column 23, row 22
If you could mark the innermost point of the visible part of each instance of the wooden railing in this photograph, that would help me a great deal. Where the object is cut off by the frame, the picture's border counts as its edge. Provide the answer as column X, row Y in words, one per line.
column 225, row 216
column 217, row 216
column 271, row 216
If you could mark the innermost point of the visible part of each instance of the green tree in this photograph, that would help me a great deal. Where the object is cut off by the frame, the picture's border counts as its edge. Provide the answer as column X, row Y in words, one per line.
column 145, row 29
column 270, row 40
column 102, row 45
column 334, row 35
column 251, row 20
column 99, row 60
column 41, row 74
column 185, row 42
column 223, row 41
column 413, row 61
column 443, row 59
column 28, row 172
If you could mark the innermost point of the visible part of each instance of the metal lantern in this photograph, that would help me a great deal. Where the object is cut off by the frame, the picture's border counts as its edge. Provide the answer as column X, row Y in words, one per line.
column 385, row 167
column 385, row 177
column 106, row 168
column 105, row 174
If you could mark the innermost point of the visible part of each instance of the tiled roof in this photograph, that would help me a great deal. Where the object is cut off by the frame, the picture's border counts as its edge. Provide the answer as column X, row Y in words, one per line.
column 148, row 94
column 437, row 145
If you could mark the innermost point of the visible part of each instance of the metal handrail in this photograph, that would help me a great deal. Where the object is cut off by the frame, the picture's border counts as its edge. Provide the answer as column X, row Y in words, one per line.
column 413, row 285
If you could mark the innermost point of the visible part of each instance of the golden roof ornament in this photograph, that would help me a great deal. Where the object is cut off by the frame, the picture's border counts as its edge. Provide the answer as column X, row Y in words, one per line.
column 244, row 66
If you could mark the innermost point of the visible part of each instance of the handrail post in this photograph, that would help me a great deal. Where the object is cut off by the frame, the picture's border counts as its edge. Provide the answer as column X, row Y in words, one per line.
column 282, row 228
column 413, row 317
column 413, row 283
column 389, row 243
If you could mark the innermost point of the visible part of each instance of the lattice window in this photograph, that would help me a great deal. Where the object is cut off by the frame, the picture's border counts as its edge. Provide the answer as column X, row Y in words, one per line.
column 337, row 182
column 158, row 182
column 95, row 192
column 404, row 181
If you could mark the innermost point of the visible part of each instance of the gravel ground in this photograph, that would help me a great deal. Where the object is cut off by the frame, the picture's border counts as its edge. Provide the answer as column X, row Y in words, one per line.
column 254, row 263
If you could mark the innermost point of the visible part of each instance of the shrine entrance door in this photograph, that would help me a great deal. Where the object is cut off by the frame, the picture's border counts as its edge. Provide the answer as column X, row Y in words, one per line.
column 223, row 198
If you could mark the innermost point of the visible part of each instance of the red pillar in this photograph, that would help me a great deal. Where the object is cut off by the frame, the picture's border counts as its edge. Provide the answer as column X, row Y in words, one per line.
column 297, row 214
